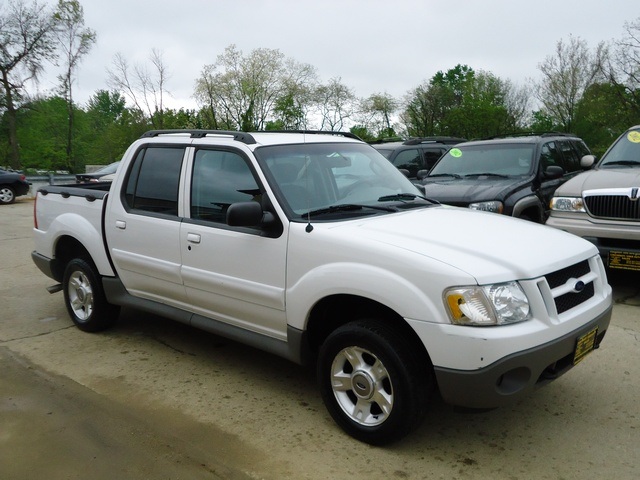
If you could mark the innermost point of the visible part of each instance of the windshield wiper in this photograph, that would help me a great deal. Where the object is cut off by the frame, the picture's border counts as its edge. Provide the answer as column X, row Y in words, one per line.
column 400, row 196
column 487, row 174
column 345, row 207
column 454, row 175
column 406, row 197
column 622, row 162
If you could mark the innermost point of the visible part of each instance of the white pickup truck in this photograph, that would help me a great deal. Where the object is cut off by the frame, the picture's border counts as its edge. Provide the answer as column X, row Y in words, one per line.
column 314, row 247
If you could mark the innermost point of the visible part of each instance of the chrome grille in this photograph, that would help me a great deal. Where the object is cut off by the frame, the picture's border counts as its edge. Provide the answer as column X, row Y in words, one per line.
column 567, row 300
column 621, row 207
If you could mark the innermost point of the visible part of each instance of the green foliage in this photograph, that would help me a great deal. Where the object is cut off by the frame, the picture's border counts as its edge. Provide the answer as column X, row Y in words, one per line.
column 602, row 114
column 461, row 103
column 362, row 132
column 42, row 134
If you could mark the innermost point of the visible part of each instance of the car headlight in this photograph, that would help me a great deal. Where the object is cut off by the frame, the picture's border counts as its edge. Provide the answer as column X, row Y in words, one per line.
column 493, row 206
column 499, row 304
column 567, row 204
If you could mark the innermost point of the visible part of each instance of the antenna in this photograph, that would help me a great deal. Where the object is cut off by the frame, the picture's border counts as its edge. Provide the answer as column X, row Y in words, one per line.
column 309, row 227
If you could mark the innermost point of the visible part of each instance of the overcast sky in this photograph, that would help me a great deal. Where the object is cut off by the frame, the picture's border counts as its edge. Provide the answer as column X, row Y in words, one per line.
column 374, row 46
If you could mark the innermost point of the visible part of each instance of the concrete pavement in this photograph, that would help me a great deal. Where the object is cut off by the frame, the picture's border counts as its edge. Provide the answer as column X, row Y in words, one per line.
column 154, row 399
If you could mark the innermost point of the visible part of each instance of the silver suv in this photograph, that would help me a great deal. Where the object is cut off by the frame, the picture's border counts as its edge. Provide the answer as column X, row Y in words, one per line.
column 603, row 204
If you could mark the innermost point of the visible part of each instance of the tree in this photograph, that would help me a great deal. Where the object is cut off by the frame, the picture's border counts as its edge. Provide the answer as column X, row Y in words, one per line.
column 245, row 92
column 621, row 68
column 464, row 103
column 376, row 112
column 336, row 103
column 27, row 41
column 144, row 89
column 42, row 134
column 565, row 77
column 107, row 113
column 75, row 42
column 602, row 114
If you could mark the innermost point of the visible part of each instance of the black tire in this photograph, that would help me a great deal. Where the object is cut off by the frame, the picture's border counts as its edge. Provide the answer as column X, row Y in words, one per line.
column 373, row 381
column 7, row 195
column 85, row 299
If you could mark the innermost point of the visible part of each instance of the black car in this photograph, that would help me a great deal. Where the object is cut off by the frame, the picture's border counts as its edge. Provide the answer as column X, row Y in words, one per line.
column 514, row 176
column 94, row 176
column 416, row 154
column 12, row 185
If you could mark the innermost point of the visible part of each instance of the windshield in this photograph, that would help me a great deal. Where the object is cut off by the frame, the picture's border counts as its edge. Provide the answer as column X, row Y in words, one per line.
column 339, row 179
column 625, row 152
column 111, row 168
column 496, row 159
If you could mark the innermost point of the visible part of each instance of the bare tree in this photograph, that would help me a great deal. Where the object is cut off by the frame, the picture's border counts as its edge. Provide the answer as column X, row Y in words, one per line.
column 376, row 112
column 565, row 77
column 143, row 88
column 620, row 65
column 27, row 41
column 517, row 100
column 75, row 41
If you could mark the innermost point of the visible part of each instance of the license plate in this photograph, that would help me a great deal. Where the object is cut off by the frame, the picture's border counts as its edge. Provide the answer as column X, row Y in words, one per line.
column 624, row 260
column 584, row 345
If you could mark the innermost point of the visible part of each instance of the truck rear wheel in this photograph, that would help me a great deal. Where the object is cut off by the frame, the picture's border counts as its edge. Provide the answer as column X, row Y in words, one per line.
column 85, row 299
column 373, row 382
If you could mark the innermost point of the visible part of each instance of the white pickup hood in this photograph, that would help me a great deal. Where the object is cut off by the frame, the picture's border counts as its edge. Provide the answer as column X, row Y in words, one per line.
column 489, row 247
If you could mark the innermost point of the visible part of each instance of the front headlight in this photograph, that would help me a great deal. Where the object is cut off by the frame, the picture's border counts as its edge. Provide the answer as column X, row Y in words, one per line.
column 493, row 206
column 567, row 204
column 499, row 304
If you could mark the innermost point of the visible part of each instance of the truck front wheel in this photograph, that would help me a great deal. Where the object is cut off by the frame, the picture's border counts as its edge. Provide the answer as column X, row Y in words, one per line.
column 85, row 299
column 373, row 382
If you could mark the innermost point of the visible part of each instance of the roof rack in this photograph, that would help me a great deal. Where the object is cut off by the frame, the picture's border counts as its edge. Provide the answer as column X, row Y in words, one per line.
column 317, row 132
column 530, row 134
column 239, row 136
column 386, row 140
column 243, row 137
column 445, row 140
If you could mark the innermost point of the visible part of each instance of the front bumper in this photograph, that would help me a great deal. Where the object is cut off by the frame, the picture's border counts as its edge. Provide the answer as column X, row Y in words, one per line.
column 516, row 375
column 618, row 242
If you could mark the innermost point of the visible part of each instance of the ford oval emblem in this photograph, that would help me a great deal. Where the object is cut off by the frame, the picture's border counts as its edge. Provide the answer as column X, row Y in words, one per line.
column 579, row 286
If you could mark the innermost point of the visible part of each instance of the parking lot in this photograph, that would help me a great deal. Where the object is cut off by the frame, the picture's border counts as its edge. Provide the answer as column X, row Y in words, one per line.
column 155, row 399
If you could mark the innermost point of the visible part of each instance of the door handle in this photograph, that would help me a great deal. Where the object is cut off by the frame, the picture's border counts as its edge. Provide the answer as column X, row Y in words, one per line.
column 193, row 238
column 121, row 224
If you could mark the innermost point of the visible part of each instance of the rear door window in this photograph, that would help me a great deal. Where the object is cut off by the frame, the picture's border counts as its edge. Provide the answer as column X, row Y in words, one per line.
column 154, row 180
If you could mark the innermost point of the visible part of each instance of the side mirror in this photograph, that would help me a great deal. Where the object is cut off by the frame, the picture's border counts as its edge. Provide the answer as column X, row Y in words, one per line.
column 405, row 172
column 245, row 214
column 422, row 174
column 587, row 161
column 553, row 172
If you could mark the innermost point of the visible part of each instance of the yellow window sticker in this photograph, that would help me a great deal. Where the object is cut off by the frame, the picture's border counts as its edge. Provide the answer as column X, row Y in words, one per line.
column 634, row 136
column 456, row 152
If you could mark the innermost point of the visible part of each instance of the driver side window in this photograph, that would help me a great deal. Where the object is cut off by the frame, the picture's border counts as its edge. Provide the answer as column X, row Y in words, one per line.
column 219, row 179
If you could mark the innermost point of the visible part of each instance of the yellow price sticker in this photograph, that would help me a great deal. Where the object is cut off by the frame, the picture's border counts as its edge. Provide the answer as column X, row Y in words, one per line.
column 456, row 152
column 634, row 136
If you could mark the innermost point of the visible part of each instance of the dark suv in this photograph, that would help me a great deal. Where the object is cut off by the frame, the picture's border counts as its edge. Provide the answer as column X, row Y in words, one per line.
column 514, row 175
column 416, row 154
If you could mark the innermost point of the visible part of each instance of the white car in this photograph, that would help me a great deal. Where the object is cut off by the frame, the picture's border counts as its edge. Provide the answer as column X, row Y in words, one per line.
column 314, row 247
